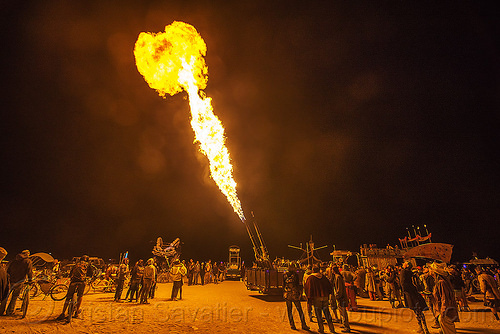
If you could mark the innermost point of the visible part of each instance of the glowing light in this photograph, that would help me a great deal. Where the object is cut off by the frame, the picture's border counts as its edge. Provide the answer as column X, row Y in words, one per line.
column 172, row 61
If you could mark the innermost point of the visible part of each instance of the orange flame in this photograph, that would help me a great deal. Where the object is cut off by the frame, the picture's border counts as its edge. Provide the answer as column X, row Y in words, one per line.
column 173, row 61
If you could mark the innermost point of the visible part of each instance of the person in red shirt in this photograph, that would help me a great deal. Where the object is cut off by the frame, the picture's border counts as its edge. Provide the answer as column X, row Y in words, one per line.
column 319, row 289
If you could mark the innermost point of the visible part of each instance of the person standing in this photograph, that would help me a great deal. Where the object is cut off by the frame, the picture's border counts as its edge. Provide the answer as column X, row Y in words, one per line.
column 77, row 284
column 202, row 273
column 444, row 299
column 190, row 272
column 147, row 281
column 429, row 281
column 350, row 287
column 135, row 280
column 340, row 295
column 292, row 292
column 196, row 272
column 393, row 287
column 152, row 290
column 458, row 285
column 307, row 273
column 413, row 299
column 370, row 284
column 215, row 272
column 208, row 272
column 489, row 288
column 222, row 271
column 360, row 282
column 4, row 282
column 467, row 278
column 18, row 270
column 318, row 288
column 123, row 271
column 177, row 272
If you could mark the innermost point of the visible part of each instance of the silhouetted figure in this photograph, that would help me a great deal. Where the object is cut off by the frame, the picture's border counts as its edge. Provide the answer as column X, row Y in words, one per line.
column 18, row 270
column 319, row 289
column 292, row 292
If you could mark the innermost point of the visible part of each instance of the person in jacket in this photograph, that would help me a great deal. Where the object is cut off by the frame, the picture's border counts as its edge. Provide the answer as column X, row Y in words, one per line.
column 190, row 272
column 340, row 295
column 445, row 303
column 215, row 273
column 370, row 284
column 413, row 299
column 429, row 281
column 292, row 293
column 135, row 280
column 123, row 271
column 360, row 281
column 148, row 278
column 489, row 288
column 393, row 287
column 307, row 273
column 76, row 285
column 196, row 272
column 202, row 273
column 18, row 270
column 319, row 289
column 177, row 272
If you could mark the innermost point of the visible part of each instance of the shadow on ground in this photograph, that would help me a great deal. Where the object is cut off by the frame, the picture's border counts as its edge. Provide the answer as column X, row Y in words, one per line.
column 269, row 298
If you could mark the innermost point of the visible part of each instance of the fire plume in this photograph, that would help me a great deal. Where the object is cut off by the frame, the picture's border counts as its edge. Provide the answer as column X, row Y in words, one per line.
column 173, row 61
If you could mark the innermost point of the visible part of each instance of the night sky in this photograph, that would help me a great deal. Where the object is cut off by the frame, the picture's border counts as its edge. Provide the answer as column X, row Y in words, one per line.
column 347, row 121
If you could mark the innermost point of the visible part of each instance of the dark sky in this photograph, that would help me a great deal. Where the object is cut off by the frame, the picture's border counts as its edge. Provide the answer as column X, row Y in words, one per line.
column 348, row 121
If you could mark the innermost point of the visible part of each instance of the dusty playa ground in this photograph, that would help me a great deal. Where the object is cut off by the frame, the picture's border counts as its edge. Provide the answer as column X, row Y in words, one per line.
column 222, row 308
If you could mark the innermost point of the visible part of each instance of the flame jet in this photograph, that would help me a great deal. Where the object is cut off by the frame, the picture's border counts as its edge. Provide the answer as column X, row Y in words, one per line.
column 173, row 61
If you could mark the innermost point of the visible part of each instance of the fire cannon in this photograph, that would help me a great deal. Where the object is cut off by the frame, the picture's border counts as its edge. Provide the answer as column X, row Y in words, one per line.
column 264, row 276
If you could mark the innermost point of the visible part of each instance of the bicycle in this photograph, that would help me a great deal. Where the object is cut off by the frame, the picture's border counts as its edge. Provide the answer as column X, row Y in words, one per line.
column 56, row 291
column 71, row 306
column 26, row 298
column 104, row 285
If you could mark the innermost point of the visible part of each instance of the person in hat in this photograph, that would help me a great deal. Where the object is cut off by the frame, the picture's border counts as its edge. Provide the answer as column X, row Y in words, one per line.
column 413, row 299
column 18, row 270
column 4, row 282
column 177, row 272
column 445, row 303
column 292, row 293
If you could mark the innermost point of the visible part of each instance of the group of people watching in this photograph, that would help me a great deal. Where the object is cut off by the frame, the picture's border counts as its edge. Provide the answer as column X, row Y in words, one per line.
column 442, row 289
column 205, row 272
column 436, row 287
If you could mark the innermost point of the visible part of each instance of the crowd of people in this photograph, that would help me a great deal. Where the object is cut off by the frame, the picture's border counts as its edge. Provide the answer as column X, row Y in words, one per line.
column 443, row 290
column 139, row 280
column 328, row 288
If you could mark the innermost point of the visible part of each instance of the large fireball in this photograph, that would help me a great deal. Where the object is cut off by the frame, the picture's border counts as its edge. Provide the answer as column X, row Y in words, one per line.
column 173, row 61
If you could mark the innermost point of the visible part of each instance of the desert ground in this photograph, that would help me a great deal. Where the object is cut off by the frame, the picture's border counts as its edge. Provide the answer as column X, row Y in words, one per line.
column 227, row 307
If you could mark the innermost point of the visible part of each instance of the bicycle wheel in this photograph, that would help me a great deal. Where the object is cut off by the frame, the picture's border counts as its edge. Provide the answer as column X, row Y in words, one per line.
column 112, row 286
column 101, row 285
column 33, row 292
column 26, row 300
column 71, row 308
column 58, row 292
